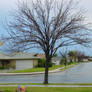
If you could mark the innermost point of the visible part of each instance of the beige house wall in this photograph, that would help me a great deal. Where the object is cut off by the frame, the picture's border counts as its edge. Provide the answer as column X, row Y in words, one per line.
column 12, row 64
column 24, row 64
column 35, row 63
column 20, row 64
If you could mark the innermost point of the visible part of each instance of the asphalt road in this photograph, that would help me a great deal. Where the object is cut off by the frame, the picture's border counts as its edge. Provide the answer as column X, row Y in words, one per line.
column 79, row 74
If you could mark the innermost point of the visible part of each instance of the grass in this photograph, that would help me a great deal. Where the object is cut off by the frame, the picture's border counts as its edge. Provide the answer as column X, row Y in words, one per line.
column 28, row 70
column 69, row 66
column 35, row 69
column 46, row 89
column 46, row 84
column 43, row 69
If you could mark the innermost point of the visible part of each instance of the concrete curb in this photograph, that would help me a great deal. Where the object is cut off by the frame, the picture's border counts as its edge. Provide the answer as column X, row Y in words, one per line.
column 32, row 73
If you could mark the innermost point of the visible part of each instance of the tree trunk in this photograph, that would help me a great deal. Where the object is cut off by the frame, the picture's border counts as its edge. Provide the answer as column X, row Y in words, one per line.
column 65, row 62
column 46, row 71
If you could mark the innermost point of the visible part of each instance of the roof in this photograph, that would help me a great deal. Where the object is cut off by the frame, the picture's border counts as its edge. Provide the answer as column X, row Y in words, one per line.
column 41, row 55
column 18, row 56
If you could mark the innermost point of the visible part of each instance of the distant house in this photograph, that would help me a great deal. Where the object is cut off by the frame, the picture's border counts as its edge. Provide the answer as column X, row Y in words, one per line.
column 56, row 60
column 18, row 61
column 86, row 59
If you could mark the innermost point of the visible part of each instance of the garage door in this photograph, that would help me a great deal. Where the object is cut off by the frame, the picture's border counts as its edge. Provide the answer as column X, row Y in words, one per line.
column 24, row 64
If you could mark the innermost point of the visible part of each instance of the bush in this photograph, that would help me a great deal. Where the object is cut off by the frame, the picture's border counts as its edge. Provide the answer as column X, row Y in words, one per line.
column 50, row 64
column 69, row 63
column 62, row 61
column 41, row 63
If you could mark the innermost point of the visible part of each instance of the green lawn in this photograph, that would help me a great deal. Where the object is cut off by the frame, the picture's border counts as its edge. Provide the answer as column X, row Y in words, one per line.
column 46, row 89
column 36, row 69
column 43, row 69
column 47, row 84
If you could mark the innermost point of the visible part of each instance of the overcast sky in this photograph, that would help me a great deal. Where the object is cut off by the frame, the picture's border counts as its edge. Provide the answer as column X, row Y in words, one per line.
column 8, row 5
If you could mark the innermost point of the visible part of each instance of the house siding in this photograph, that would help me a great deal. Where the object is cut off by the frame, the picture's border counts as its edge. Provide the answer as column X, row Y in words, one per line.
column 35, row 63
column 12, row 64
column 24, row 64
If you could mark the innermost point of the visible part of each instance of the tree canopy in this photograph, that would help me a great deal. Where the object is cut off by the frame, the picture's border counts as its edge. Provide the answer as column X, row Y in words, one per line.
column 49, row 25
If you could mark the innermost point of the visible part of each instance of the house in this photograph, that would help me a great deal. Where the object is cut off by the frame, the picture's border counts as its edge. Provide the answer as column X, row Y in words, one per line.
column 41, row 56
column 18, row 61
column 86, row 59
column 56, row 60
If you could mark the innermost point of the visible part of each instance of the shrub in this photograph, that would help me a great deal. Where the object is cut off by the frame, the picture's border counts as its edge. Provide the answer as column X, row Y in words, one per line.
column 69, row 63
column 62, row 61
column 41, row 63
column 50, row 64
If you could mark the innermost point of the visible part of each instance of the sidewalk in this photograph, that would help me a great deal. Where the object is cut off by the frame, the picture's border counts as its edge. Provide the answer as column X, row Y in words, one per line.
column 48, row 85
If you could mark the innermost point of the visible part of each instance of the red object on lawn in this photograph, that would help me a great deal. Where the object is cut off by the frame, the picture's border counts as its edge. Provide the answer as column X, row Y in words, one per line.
column 22, row 89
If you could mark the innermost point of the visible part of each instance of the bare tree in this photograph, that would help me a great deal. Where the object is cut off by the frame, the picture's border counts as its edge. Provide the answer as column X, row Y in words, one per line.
column 64, row 55
column 80, row 56
column 49, row 25
column 77, row 56
column 72, row 56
